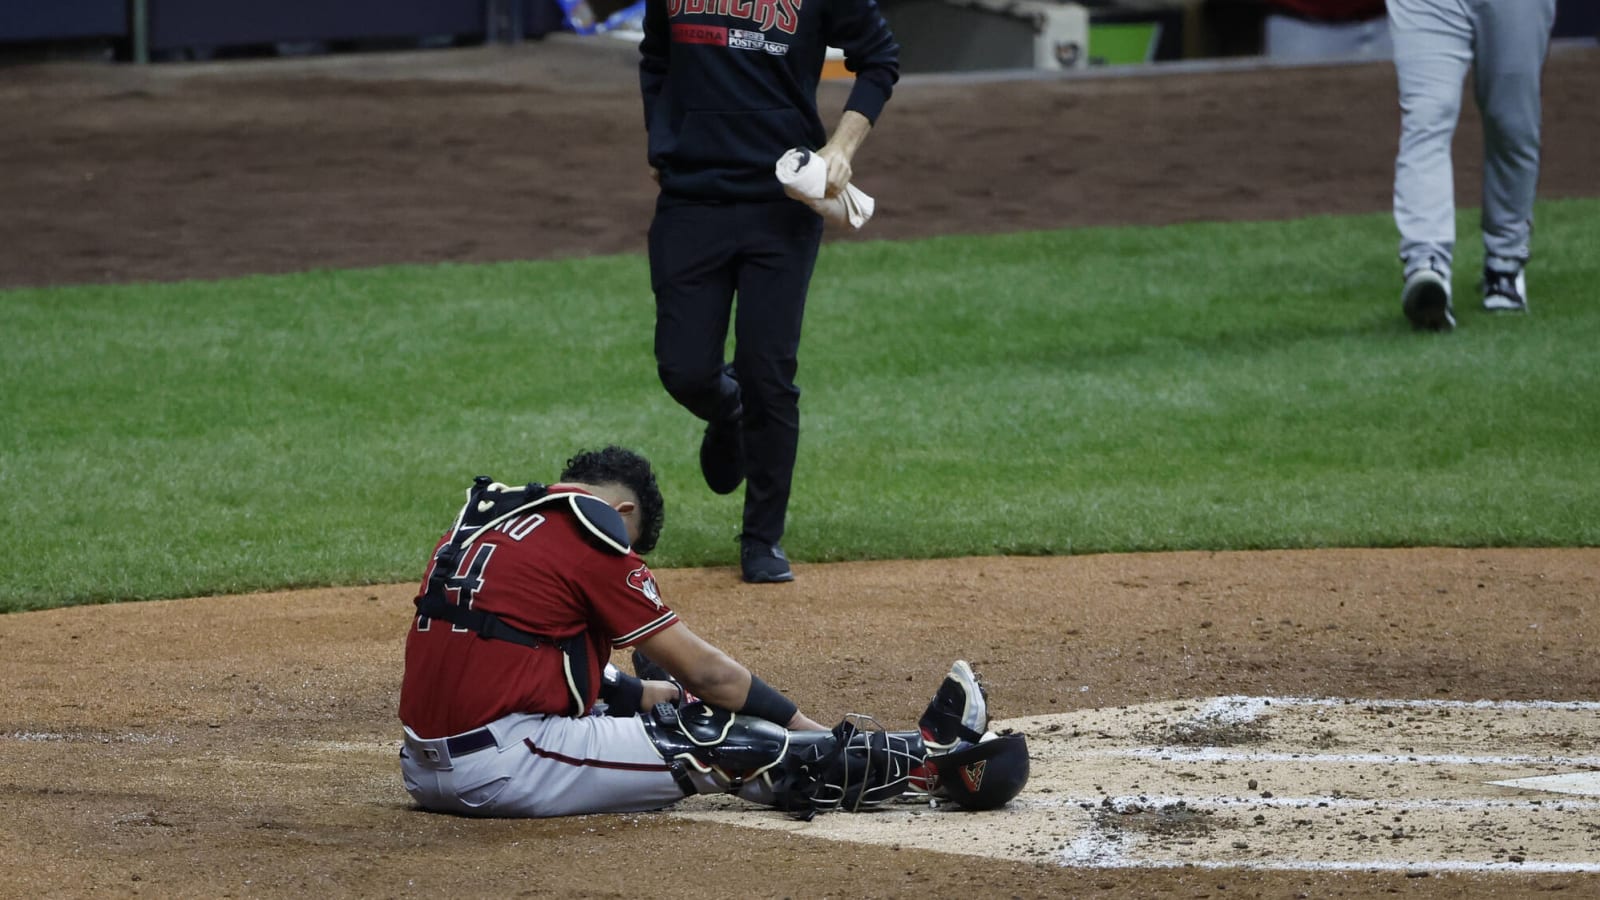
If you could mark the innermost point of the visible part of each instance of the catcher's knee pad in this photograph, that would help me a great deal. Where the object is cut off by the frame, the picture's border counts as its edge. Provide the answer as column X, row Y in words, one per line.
column 714, row 748
column 985, row 775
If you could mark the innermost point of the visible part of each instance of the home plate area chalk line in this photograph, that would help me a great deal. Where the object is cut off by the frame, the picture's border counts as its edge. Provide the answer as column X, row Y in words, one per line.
column 1293, row 783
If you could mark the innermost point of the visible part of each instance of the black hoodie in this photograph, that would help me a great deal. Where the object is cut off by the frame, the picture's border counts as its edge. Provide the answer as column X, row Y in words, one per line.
column 729, row 85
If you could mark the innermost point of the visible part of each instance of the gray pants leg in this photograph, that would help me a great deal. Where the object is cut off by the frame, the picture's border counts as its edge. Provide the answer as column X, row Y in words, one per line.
column 1513, row 39
column 1432, row 52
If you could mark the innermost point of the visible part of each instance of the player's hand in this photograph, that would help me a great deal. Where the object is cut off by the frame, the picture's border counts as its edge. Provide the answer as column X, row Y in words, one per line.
column 664, row 692
column 841, row 148
column 655, row 174
column 839, row 172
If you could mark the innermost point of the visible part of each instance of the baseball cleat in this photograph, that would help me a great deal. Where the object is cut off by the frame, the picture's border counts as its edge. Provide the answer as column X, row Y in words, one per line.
column 1426, row 299
column 1505, row 291
column 958, row 713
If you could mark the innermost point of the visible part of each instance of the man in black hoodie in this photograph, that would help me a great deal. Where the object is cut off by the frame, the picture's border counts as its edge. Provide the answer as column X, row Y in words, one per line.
column 729, row 86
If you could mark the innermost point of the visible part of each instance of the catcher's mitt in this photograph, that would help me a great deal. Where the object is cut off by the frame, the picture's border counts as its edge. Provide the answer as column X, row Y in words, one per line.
column 854, row 771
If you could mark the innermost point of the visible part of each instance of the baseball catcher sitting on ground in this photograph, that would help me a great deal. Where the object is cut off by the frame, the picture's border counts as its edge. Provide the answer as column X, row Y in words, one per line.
column 511, row 707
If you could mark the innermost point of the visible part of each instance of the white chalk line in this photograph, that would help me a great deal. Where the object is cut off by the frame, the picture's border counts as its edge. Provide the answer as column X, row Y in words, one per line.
column 1222, row 754
column 1157, row 801
column 1243, row 703
column 1234, row 709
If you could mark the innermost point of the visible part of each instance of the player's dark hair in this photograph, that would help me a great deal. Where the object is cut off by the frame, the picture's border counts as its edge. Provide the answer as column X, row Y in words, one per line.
column 619, row 465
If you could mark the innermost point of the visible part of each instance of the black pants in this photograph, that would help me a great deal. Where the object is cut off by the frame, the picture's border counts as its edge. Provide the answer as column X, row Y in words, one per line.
column 701, row 256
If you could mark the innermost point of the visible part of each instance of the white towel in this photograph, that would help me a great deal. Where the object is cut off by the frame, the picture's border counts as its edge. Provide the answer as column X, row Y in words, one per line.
column 804, row 176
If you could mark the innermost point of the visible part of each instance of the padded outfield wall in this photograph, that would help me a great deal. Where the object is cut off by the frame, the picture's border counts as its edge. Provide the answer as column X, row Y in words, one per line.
column 179, row 24
column 63, row 20
column 188, row 24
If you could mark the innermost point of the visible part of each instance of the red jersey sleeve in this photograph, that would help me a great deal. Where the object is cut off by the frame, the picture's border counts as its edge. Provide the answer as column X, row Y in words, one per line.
column 625, row 600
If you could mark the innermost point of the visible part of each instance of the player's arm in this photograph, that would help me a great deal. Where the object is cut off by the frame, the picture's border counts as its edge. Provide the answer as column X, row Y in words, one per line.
column 653, row 51
column 841, row 149
column 870, row 51
column 718, row 679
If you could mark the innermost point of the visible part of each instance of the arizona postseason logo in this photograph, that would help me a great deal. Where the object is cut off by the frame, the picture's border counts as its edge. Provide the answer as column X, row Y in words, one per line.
column 763, row 14
column 642, row 581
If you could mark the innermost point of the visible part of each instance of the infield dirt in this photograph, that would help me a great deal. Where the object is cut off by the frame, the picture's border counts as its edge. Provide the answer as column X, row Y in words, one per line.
column 240, row 746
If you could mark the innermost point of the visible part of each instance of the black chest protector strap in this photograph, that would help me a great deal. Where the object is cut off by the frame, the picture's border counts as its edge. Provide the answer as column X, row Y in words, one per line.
column 486, row 625
column 489, row 504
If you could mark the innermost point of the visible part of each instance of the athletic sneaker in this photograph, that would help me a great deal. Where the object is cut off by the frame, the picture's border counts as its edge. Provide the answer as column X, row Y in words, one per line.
column 764, row 563
column 958, row 713
column 1426, row 298
column 1505, row 291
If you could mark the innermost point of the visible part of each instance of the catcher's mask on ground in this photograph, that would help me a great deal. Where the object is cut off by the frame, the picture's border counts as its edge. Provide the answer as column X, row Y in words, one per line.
column 984, row 776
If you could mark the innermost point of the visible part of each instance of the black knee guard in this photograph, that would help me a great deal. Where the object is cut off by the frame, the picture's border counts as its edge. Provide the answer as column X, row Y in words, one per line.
column 719, row 750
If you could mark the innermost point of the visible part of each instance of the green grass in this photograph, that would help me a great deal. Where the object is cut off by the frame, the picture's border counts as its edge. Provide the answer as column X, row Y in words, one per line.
column 1200, row 386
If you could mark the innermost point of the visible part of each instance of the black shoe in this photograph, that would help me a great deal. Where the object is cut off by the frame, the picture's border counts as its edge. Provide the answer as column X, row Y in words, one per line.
column 764, row 563
column 1505, row 291
column 722, row 456
column 958, row 713
column 1426, row 298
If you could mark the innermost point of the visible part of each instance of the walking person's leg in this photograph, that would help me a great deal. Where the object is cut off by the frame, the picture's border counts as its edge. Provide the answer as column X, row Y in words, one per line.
column 1513, row 40
column 773, row 280
column 1432, row 52
column 692, row 253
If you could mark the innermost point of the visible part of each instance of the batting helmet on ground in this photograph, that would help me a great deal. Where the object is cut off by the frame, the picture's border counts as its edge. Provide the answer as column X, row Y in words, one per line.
column 985, row 775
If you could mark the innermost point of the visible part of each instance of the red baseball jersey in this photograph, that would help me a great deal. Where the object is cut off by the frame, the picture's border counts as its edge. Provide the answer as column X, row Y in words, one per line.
column 542, row 573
